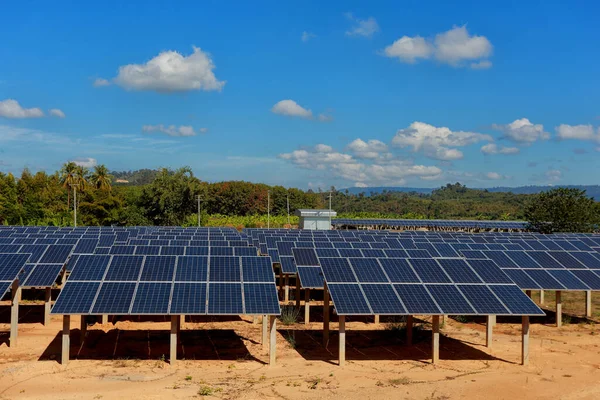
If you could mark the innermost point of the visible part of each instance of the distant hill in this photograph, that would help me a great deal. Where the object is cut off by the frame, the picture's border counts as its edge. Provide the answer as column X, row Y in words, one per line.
column 138, row 177
column 591, row 190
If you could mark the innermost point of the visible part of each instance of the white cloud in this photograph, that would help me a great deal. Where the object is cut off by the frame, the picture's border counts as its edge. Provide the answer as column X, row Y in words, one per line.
column 203, row 130
column 370, row 150
column 454, row 47
column 99, row 82
column 86, row 162
column 171, row 130
column 522, row 130
column 493, row 176
column 55, row 112
column 12, row 109
column 325, row 117
column 306, row 36
column 171, row 72
column 409, row 49
column 436, row 142
column 493, row 148
column 362, row 27
column 579, row 132
column 291, row 109
column 553, row 175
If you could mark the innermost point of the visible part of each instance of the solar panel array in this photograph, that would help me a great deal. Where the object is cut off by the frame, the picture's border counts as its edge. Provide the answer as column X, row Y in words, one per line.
column 430, row 224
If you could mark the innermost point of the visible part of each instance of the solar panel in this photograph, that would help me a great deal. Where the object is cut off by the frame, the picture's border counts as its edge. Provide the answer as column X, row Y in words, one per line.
column 196, row 251
column 221, row 251
column 224, row 269
column 567, row 279
column 4, row 286
column 152, row 298
column 416, row 299
column 257, row 269
column 35, row 250
column 225, row 298
column 544, row 279
column 522, row 259
column 488, row 271
column 172, row 250
column 591, row 279
column 85, row 246
column 261, row 298
column 587, row 259
column 472, row 254
column 348, row 299
column 458, row 270
column 76, row 298
column 188, row 298
column 311, row 277
column 429, row 270
column 10, row 265
column 56, row 254
column 43, row 275
column 396, row 253
column 483, row 299
column 566, row 259
column 522, row 280
column 121, row 249
column 124, row 268
column 147, row 250
column 450, row 300
column 398, row 270
column 515, row 300
column 368, row 270
column 337, row 270
column 288, row 265
column 114, row 298
column 89, row 268
column 501, row 259
column 158, row 269
column 383, row 299
column 245, row 251
column 305, row 257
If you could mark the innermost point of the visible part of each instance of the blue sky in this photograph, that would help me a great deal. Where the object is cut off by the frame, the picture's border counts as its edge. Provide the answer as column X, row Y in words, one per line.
column 309, row 94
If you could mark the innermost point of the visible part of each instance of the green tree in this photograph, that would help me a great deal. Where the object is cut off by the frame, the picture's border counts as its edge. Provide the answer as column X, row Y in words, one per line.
column 562, row 210
column 100, row 178
column 68, row 177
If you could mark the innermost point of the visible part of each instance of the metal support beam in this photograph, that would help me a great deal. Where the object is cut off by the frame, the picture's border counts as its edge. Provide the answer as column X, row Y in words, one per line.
column 435, row 339
column 272, row 341
column 104, row 319
column 409, row 329
column 82, row 329
column 525, row 341
column 489, row 331
column 286, row 291
column 342, row 341
column 542, row 297
column 174, row 331
column 376, row 320
column 47, row 305
column 558, row 309
column 588, row 303
column 265, row 331
column 325, row 316
column 66, row 340
column 14, row 314
column 306, row 306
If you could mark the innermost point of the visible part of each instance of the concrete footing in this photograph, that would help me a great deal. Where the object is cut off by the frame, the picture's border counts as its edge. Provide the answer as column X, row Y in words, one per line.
column 342, row 341
column 173, row 342
column 272, row 341
column 558, row 308
column 325, row 316
column 489, row 331
column 47, row 305
column 14, row 314
column 588, row 303
column 525, row 341
column 265, row 331
column 306, row 306
column 66, row 340
column 435, row 339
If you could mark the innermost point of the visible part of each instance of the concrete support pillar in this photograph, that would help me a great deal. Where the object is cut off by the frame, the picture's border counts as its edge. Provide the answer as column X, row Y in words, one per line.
column 47, row 305
column 306, row 306
column 66, row 340
column 409, row 329
column 254, row 319
column 286, row 292
column 280, row 283
column 104, row 319
column 325, row 316
column 528, row 293
column 173, row 344
column 489, row 331
column 265, row 331
column 376, row 320
column 272, row 341
column 525, row 341
column 588, row 303
column 435, row 339
column 342, row 341
column 558, row 309
column 14, row 314
column 542, row 297
column 82, row 328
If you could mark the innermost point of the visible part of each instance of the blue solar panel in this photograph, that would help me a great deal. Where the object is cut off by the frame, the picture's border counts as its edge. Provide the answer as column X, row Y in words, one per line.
column 245, row 251
column 11, row 265
column 288, row 265
column 85, row 246
column 337, row 270
column 488, row 271
column 515, row 300
column 416, row 299
column 257, row 269
column 89, row 268
column 445, row 250
column 152, row 298
column 158, row 269
column 36, row 251
column 221, row 251
column 285, row 248
column 305, row 257
column 225, row 298
column 114, row 298
column 429, row 270
column 122, row 249
column 124, row 268
column 544, row 279
column 587, row 259
column 43, row 275
column 544, row 259
column 196, row 251
column 567, row 260
column 348, row 299
column 350, row 253
column 172, row 250
column 521, row 279
column 383, row 299
column 368, row 270
column 76, row 298
column 415, row 253
column 4, row 286
column 323, row 252
column 398, row 270
column 56, row 254
column 274, row 255
column 261, row 298
column 147, row 250
column 188, row 298
column 472, row 254
column 450, row 300
column 458, row 270
column 375, row 253
column 396, row 253
column 522, row 259
column 567, row 279
column 590, row 278
column 483, row 300
column 311, row 277
column 224, row 269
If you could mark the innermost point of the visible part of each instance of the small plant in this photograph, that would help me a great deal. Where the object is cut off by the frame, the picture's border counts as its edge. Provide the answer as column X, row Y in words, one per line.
column 314, row 382
column 461, row 318
column 262, row 378
column 396, row 324
column 289, row 314
column 205, row 391
column 188, row 378
column 379, row 383
column 399, row 381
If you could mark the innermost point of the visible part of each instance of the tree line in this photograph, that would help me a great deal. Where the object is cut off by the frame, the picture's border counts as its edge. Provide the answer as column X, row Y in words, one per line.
column 172, row 197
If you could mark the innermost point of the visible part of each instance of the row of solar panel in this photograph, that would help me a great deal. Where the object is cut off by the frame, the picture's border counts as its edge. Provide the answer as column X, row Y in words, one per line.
column 431, row 223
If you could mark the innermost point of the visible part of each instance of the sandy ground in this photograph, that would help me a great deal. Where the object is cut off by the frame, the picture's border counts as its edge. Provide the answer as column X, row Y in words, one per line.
column 223, row 358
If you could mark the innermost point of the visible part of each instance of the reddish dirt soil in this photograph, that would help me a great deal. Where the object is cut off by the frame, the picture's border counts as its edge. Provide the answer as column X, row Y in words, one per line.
column 224, row 358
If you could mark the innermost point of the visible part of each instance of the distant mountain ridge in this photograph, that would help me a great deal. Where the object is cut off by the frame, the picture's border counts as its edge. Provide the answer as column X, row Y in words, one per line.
column 591, row 190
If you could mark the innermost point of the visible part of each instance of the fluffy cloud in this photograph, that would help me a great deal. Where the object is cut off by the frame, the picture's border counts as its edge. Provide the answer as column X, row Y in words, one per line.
column 12, row 109
column 306, row 36
column 493, row 148
column 55, row 112
column 436, row 142
column 362, row 27
column 454, row 47
column 493, row 176
column 171, row 72
column 553, row 175
column 290, row 108
column 86, row 162
column 363, row 173
column 99, row 82
column 523, row 131
column 579, row 132
column 368, row 150
column 171, row 130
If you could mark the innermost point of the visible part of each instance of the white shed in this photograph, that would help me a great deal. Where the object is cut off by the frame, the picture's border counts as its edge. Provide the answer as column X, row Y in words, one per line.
column 315, row 219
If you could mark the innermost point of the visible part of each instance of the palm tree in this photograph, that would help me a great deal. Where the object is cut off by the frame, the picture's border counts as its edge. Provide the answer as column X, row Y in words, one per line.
column 100, row 178
column 81, row 180
column 68, row 176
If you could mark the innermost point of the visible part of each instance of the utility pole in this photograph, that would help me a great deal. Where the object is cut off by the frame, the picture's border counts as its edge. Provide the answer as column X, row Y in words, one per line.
column 268, row 209
column 330, row 209
column 199, row 198
column 288, row 205
column 74, row 186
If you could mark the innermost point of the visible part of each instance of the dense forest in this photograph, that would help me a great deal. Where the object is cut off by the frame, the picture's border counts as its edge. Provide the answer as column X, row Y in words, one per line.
column 172, row 197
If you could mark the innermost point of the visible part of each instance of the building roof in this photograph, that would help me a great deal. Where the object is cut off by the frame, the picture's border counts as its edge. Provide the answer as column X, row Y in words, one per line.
column 315, row 213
